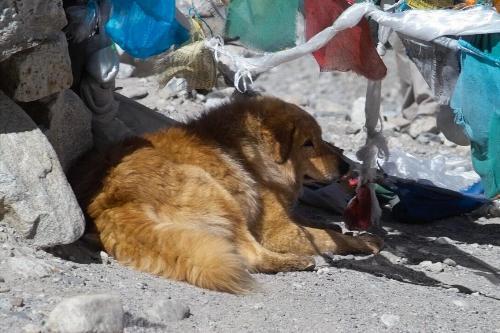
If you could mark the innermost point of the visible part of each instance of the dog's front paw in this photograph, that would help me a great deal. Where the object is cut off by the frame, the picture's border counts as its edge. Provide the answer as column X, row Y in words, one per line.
column 373, row 242
column 308, row 264
column 300, row 263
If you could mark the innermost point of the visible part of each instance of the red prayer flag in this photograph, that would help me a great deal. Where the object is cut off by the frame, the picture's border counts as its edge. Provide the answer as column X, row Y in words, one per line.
column 358, row 213
column 351, row 49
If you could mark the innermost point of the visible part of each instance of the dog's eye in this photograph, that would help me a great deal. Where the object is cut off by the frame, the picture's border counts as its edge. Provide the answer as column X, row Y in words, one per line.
column 308, row 143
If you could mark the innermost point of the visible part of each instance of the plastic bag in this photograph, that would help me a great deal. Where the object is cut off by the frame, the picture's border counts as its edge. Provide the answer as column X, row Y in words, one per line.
column 82, row 21
column 144, row 28
column 453, row 173
column 263, row 24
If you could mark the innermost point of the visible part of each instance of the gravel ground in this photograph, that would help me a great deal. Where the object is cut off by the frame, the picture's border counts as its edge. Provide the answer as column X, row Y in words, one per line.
column 438, row 277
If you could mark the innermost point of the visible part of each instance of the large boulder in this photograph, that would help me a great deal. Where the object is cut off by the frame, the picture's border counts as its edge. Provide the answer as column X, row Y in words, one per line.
column 70, row 127
column 35, row 196
column 38, row 72
column 27, row 23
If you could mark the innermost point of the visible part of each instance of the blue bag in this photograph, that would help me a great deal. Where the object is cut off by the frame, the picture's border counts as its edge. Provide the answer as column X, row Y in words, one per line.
column 144, row 28
column 419, row 203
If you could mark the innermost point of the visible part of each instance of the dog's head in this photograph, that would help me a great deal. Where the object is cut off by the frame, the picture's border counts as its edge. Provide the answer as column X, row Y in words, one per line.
column 291, row 139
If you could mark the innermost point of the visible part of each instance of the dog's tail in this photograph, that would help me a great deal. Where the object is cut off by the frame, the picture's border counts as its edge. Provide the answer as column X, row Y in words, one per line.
column 184, row 252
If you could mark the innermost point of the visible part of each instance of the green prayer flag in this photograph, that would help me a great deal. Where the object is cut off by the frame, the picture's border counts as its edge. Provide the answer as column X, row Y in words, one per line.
column 268, row 25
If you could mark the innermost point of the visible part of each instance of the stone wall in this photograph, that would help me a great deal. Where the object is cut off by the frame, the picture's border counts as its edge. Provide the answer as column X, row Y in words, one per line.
column 36, row 149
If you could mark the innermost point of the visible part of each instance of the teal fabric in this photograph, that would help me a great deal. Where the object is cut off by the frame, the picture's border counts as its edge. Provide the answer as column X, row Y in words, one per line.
column 476, row 103
column 268, row 25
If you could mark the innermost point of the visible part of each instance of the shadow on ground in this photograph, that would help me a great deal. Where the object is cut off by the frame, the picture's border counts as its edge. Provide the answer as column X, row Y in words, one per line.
column 434, row 242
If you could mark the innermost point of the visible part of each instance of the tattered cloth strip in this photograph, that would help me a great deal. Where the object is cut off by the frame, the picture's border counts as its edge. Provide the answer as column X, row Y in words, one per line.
column 268, row 25
column 476, row 102
column 438, row 65
column 351, row 49
column 194, row 62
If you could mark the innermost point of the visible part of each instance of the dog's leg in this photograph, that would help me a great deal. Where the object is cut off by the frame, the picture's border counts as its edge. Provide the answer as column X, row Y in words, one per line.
column 293, row 238
column 279, row 232
column 262, row 260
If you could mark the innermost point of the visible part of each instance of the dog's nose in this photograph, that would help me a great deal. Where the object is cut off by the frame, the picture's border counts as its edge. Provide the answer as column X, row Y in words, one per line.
column 344, row 167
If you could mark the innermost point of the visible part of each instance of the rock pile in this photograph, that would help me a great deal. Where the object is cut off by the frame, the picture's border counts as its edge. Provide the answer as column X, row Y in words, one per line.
column 44, row 126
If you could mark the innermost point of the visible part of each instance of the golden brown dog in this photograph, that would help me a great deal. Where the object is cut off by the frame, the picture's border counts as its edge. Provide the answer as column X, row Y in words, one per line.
column 211, row 201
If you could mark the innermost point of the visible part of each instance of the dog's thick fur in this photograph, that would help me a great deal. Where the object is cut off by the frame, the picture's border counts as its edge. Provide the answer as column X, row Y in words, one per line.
column 210, row 201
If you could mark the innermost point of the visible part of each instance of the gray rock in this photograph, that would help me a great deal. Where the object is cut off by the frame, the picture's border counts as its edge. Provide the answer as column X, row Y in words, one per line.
column 174, row 87
column 104, row 257
column 425, row 264
column 422, row 124
column 26, row 267
column 26, row 23
column 70, row 129
column 460, row 303
column 436, row 267
column 389, row 320
column 449, row 262
column 167, row 311
column 432, row 267
column 38, row 72
column 35, row 196
column 99, row 313
column 16, row 302
column 444, row 240
column 125, row 71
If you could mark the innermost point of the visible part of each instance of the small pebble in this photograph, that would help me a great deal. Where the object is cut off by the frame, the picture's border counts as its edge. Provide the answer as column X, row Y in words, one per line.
column 141, row 285
column 168, row 311
column 17, row 302
column 258, row 306
column 323, row 270
column 450, row 262
column 443, row 240
column 389, row 320
column 139, row 95
column 104, row 257
column 436, row 267
column 460, row 303
column 425, row 264
column 4, row 289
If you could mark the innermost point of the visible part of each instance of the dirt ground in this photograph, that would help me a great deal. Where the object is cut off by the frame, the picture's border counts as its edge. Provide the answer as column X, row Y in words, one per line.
column 437, row 277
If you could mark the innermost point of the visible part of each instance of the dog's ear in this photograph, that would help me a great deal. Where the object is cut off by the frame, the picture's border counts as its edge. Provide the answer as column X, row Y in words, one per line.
column 279, row 141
